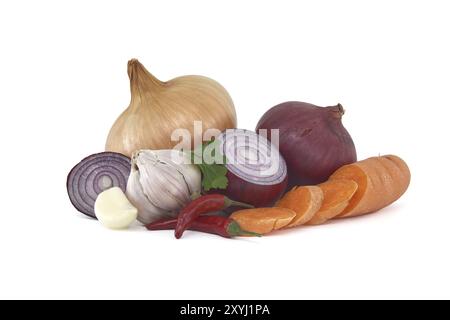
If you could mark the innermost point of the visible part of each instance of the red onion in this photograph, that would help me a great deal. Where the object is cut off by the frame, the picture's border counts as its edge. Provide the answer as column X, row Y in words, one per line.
column 257, row 173
column 95, row 174
column 312, row 140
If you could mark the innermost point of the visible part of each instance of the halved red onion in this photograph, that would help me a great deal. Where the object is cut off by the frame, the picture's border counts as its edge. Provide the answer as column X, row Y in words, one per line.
column 95, row 174
column 257, row 173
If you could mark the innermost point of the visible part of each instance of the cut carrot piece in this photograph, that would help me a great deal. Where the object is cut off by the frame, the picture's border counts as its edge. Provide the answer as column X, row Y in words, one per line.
column 305, row 201
column 336, row 197
column 381, row 181
column 263, row 220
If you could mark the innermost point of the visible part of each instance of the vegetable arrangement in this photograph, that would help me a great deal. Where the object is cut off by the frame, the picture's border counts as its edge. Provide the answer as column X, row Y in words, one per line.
column 298, row 168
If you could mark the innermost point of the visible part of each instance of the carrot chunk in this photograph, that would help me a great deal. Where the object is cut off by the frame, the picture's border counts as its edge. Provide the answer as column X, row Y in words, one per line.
column 263, row 220
column 305, row 201
column 336, row 197
column 381, row 181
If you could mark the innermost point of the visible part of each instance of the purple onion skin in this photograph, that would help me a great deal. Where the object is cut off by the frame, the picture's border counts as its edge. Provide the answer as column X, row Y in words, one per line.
column 313, row 140
column 254, row 194
column 259, row 196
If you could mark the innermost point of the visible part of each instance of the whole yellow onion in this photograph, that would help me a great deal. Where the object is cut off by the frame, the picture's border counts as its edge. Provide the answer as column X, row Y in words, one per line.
column 158, row 108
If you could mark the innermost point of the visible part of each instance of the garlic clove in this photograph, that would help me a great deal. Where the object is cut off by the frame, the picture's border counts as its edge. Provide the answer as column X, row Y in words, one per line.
column 148, row 212
column 175, row 183
column 157, row 189
column 193, row 178
column 113, row 209
column 181, row 162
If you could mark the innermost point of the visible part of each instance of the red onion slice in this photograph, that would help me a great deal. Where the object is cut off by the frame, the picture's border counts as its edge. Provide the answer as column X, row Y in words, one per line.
column 95, row 174
column 252, row 157
column 257, row 173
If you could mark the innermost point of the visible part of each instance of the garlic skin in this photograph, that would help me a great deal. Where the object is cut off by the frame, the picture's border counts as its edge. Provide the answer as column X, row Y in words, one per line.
column 158, row 108
column 160, row 183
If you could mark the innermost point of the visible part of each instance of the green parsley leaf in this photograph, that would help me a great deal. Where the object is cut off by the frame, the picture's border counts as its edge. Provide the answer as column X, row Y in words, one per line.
column 214, row 175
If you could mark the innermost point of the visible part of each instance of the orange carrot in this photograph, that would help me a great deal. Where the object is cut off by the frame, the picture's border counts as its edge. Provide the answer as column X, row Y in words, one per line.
column 305, row 201
column 381, row 181
column 263, row 220
column 336, row 197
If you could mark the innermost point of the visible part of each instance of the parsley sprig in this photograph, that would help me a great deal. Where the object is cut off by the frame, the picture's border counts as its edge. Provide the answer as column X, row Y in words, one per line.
column 214, row 173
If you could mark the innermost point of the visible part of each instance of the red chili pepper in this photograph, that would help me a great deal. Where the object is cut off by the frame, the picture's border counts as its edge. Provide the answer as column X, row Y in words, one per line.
column 202, row 205
column 219, row 225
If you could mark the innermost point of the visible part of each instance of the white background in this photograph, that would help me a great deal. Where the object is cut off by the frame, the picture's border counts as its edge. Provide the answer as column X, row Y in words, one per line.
column 63, row 82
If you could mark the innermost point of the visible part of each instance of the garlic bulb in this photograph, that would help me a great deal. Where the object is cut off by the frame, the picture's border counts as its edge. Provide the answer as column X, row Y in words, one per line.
column 160, row 183
column 158, row 108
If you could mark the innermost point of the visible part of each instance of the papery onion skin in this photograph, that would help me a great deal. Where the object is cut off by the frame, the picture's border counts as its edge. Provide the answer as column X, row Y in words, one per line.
column 94, row 174
column 312, row 140
column 158, row 108
column 259, row 194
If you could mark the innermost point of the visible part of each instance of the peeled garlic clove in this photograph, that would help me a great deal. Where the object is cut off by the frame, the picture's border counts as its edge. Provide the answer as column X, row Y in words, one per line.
column 113, row 209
